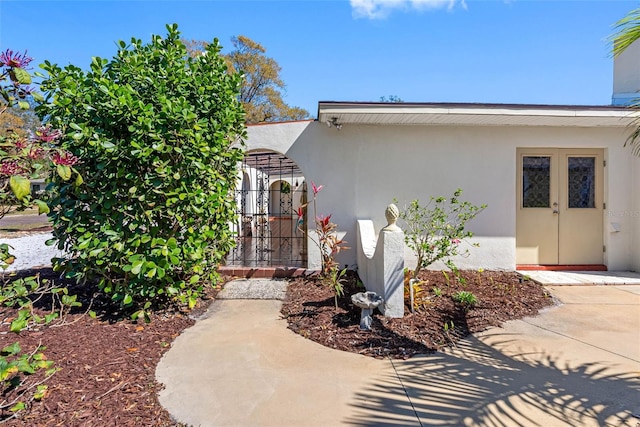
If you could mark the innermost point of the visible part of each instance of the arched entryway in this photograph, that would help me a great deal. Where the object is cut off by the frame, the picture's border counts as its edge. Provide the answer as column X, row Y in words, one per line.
column 271, row 190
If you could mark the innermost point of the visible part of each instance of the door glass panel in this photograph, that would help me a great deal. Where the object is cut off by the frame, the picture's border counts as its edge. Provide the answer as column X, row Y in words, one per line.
column 536, row 181
column 582, row 177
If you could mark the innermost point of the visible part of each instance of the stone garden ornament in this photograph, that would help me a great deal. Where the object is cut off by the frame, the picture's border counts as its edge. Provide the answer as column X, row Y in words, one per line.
column 367, row 301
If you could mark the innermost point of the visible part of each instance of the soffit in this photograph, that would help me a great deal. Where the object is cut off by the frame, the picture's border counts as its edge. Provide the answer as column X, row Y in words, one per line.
column 475, row 114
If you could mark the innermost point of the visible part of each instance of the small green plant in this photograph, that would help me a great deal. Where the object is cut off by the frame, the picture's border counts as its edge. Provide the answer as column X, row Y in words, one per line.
column 335, row 279
column 24, row 293
column 465, row 298
column 448, row 329
column 449, row 326
column 436, row 291
column 6, row 259
column 16, row 367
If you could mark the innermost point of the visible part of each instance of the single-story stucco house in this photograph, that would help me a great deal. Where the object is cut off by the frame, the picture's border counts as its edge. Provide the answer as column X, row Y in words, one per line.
column 560, row 185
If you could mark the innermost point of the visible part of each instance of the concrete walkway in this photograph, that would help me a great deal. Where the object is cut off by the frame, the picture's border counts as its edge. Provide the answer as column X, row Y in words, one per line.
column 584, row 277
column 575, row 364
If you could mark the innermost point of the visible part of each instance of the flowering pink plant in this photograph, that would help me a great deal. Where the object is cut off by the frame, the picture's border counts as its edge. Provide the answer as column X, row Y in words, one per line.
column 15, row 81
column 14, row 60
column 23, row 159
column 64, row 158
column 47, row 134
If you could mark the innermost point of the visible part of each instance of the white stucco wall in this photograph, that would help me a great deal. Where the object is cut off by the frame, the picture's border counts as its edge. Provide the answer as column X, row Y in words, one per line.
column 632, row 217
column 364, row 167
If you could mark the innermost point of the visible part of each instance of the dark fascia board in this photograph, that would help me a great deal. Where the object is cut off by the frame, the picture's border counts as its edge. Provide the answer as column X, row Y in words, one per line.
column 477, row 105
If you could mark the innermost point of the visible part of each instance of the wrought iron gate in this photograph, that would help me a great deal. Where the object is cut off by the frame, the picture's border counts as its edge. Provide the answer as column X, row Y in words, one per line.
column 267, row 230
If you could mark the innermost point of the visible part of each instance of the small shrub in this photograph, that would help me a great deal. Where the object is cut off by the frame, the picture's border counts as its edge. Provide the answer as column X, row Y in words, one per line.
column 435, row 231
column 335, row 280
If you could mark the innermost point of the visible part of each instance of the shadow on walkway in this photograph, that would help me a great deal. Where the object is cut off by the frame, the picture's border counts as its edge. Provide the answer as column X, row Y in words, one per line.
column 476, row 385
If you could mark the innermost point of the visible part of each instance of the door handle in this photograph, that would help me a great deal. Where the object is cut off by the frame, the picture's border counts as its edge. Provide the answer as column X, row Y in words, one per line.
column 555, row 211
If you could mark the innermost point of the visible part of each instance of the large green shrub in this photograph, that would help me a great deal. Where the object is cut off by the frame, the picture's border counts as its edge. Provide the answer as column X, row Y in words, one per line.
column 156, row 133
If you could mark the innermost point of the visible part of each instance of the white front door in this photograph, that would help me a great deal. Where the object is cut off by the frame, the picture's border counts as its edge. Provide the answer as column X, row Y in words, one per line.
column 560, row 206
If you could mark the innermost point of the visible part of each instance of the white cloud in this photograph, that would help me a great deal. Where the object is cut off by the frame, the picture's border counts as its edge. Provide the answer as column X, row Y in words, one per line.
column 380, row 9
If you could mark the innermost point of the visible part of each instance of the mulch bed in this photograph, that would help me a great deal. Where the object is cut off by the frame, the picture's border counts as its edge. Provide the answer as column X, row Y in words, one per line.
column 439, row 321
column 107, row 364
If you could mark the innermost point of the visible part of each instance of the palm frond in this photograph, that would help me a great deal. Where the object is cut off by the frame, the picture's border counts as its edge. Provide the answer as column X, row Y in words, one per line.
column 634, row 139
column 627, row 31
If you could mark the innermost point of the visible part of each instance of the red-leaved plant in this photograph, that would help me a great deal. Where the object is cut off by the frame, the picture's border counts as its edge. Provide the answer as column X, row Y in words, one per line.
column 328, row 242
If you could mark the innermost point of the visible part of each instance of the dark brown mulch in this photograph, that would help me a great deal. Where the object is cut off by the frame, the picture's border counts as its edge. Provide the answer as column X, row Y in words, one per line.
column 107, row 364
column 310, row 311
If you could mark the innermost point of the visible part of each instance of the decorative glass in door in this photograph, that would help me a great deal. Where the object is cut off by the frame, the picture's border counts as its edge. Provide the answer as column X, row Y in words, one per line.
column 536, row 181
column 581, row 177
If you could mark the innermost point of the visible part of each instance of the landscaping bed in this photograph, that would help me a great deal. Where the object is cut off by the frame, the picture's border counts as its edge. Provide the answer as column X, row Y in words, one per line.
column 439, row 321
column 107, row 363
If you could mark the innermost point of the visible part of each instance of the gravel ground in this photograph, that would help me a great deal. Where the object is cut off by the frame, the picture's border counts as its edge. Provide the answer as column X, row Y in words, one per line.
column 30, row 251
column 254, row 289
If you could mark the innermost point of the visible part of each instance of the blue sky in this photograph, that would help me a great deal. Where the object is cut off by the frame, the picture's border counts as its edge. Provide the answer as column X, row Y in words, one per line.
column 505, row 51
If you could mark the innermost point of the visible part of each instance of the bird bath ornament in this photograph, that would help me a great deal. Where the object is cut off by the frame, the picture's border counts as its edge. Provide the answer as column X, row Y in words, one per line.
column 367, row 301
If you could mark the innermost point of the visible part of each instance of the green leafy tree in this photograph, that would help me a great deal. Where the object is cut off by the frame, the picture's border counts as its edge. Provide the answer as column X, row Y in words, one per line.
column 392, row 99
column 158, row 134
column 261, row 93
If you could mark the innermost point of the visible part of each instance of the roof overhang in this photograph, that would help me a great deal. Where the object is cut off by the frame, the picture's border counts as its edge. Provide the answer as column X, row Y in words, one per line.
column 469, row 114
